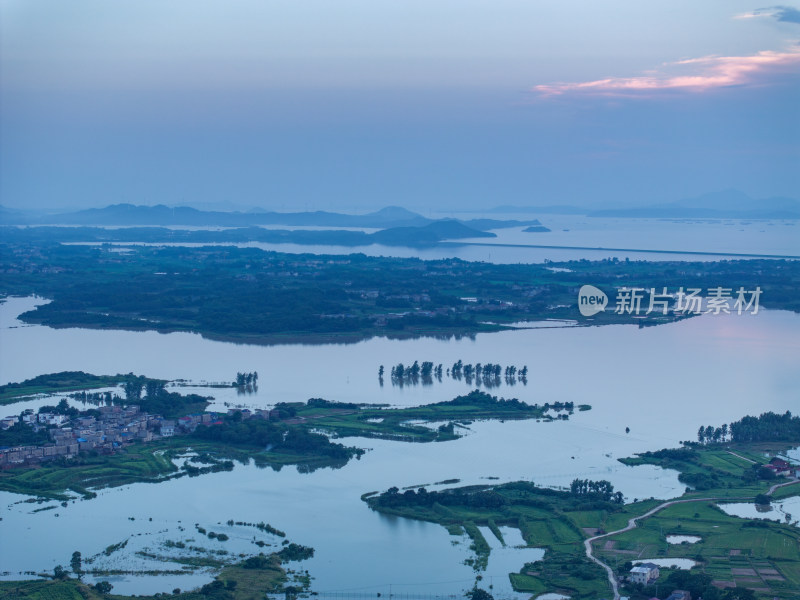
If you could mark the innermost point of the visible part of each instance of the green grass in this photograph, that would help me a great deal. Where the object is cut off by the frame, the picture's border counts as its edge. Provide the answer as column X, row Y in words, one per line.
column 136, row 463
column 772, row 546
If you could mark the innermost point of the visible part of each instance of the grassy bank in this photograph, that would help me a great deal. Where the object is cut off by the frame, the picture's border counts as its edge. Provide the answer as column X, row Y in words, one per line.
column 66, row 381
column 408, row 424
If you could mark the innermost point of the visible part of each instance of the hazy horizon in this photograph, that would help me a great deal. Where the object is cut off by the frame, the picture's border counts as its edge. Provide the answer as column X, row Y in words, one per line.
column 358, row 105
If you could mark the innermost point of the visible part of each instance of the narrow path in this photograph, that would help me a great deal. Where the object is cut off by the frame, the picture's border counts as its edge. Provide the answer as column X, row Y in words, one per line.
column 752, row 462
column 587, row 544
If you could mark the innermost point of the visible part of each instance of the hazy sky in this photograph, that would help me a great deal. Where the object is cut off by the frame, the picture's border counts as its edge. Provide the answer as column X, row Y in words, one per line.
column 364, row 103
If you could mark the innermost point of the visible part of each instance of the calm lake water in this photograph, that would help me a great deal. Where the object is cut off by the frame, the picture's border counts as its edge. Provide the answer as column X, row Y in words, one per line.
column 778, row 510
column 662, row 382
column 680, row 539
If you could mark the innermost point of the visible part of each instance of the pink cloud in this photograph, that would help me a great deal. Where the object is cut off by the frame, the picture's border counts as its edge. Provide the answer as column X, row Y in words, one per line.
column 705, row 73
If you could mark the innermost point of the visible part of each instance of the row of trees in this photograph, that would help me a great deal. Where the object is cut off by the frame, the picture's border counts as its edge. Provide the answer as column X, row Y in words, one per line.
column 488, row 374
column 712, row 435
column 246, row 379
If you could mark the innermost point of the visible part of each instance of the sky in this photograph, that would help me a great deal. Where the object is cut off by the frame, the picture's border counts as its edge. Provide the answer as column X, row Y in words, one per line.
column 428, row 104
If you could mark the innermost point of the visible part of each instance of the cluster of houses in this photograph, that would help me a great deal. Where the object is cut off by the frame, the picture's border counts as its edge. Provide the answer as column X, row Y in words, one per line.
column 114, row 428
column 781, row 468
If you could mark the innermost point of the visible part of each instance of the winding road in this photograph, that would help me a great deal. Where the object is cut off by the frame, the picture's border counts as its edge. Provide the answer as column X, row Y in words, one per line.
column 587, row 544
column 780, row 485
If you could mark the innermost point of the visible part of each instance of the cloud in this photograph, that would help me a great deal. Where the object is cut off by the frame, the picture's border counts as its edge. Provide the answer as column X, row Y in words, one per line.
column 692, row 75
column 786, row 14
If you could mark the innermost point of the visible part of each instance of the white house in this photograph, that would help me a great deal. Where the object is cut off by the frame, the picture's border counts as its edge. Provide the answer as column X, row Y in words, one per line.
column 167, row 428
column 644, row 573
column 52, row 419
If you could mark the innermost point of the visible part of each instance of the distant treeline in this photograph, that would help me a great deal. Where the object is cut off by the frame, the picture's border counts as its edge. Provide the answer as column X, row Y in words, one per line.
column 767, row 427
column 583, row 495
column 260, row 297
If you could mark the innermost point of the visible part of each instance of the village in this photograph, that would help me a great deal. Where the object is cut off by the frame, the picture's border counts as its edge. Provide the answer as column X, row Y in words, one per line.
column 116, row 427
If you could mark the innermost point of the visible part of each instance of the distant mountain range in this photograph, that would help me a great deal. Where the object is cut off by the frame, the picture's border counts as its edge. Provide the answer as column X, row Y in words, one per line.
column 165, row 216
column 396, row 226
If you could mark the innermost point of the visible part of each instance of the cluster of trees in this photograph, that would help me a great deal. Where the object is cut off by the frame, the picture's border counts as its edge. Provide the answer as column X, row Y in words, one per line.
column 243, row 379
column 295, row 552
column 601, row 490
column 488, row 374
column 273, row 437
column 478, row 398
column 260, row 561
column 246, row 383
column 322, row 403
column 412, row 374
column 20, row 434
column 767, row 427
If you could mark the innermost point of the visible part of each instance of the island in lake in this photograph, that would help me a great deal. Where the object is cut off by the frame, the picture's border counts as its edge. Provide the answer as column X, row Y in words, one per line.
column 135, row 437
